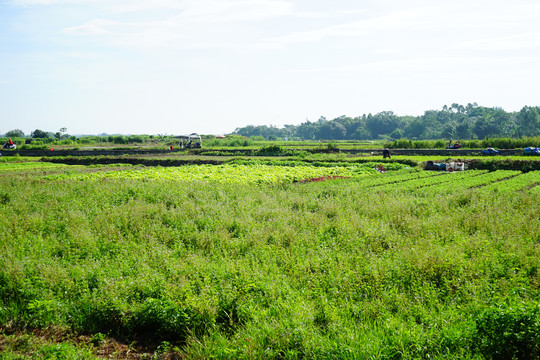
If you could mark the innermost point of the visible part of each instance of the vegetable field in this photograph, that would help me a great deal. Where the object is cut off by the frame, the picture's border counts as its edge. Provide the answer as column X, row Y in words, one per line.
column 252, row 260
column 407, row 180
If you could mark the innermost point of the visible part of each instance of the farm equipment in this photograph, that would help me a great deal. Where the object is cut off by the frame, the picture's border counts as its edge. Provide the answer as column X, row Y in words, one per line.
column 491, row 151
column 532, row 151
column 192, row 141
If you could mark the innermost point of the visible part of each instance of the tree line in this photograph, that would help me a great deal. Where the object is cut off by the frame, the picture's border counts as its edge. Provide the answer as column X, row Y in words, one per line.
column 61, row 137
column 451, row 122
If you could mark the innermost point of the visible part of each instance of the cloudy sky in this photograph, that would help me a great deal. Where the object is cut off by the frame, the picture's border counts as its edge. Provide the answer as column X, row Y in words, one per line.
column 210, row 66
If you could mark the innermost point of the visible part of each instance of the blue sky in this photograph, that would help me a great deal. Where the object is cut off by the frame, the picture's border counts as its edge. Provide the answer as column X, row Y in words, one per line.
column 209, row 66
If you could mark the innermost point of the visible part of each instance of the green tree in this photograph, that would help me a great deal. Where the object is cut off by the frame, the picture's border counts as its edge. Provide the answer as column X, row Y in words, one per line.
column 331, row 130
column 464, row 129
column 306, row 130
column 382, row 123
column 39, row 134
column 415, row 129
column 61, row 134
column 485, row 126
column 529, row 121
column 15, row 133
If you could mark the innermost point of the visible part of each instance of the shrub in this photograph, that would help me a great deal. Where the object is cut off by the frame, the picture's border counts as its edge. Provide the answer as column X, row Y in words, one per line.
column 270, row 150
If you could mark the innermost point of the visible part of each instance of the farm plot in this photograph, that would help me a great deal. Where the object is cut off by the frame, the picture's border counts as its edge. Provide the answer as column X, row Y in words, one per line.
column 227, row 173
column 474, row 181
column 424, row 182
column 515, row 183
column 396, row 177
column 11, row 167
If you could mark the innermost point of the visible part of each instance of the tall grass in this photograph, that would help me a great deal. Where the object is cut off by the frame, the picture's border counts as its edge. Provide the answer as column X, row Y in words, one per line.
column 319, row 270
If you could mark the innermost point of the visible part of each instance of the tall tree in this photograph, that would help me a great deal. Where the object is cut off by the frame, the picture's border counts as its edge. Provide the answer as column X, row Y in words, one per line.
column 39, row 134
column 332, row 130
column 529, row 121
column 382, row 123
column 15, row 133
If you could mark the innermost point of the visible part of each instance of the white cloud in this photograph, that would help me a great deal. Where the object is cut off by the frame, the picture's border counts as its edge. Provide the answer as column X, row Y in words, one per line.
column 92, row 27
column 429, row 65
column 217, row 11
column 360, row 28
column 27, row 3
column 513, row 42
column 194, row 10
column 190, row 23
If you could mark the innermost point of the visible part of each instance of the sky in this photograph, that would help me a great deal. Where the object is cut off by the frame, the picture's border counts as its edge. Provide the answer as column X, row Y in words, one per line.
column 210, row 66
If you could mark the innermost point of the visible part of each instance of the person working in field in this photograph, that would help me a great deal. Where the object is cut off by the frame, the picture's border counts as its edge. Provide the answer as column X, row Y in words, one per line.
column 386, row 154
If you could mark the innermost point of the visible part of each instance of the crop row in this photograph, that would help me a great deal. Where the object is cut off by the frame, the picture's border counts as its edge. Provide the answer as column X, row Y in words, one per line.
column 475, row 181
column 424, row 182
column 395, row 177
column 515, row 183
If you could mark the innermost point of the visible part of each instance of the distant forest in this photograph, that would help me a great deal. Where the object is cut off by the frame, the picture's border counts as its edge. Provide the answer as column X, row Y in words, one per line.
column 452, row 122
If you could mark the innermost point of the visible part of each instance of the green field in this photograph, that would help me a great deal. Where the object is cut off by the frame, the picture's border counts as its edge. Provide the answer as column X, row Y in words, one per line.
column 247, row 260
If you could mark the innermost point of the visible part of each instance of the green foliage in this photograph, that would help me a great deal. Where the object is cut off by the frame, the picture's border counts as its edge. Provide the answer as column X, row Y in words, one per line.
column 63, row 351
column 500, row 143
column 5, row 198
column 157, row 319
column 23, row 347
column 253, row 172
column 377, row 266
column 15, row 133
column 273, row 150
column 40, row 134
column 97, row 339
column 509, row 330
column 230, row 141
column 468, row 122
column 505, row 164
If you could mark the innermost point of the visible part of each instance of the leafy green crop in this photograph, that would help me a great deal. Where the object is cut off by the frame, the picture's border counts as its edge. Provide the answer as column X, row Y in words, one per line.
column 515, row 183
column 235, row 173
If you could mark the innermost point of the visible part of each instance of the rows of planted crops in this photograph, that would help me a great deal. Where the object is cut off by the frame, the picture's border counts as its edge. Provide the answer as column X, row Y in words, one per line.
column 501, row 180
column 398, row 178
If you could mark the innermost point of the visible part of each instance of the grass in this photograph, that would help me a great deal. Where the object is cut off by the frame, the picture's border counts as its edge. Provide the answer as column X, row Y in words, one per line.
column 334, row 269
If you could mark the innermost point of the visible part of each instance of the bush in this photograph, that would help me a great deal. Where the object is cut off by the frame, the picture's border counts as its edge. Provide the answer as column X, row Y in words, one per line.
column 270, row 150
